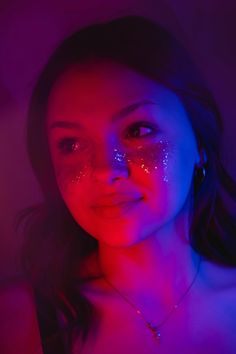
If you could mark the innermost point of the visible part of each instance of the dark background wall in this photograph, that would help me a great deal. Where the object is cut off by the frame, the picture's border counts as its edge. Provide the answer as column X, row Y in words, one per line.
column 29, row 30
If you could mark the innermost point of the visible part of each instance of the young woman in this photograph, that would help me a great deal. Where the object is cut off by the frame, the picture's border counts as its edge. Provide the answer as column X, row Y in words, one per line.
column 134, row 248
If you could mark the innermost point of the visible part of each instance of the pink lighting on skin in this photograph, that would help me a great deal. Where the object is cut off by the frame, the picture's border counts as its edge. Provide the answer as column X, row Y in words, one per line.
column 148, row 158
column 113, row 131
column 124, row 153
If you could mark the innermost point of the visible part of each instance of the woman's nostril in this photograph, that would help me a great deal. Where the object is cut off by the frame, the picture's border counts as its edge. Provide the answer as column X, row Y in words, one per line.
column 112, row 168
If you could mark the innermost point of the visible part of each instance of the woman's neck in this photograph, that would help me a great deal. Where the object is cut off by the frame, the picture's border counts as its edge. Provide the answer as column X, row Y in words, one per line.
column 160, row 267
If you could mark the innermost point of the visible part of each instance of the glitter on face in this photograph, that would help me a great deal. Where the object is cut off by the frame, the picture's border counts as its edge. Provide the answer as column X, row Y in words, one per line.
column 80, row 175
column 72, row 174
column 151, row 158
column 165, row 163
column 119, row 157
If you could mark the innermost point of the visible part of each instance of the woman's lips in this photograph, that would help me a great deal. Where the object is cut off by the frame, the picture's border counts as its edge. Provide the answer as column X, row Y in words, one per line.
column 116, row 209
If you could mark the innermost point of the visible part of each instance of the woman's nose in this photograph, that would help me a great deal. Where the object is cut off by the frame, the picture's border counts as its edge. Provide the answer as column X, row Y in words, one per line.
column 109, row 165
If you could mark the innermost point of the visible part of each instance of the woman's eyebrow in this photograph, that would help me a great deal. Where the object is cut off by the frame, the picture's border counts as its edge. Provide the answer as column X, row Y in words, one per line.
column 65, row 124
column 131, row 108
column 117, row 116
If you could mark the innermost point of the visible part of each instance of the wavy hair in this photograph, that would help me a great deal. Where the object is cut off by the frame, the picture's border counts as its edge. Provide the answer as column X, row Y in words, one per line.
column 55, row 244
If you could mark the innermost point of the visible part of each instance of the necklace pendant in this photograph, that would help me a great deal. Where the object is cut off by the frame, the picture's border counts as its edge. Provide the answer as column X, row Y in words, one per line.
column 154, row 330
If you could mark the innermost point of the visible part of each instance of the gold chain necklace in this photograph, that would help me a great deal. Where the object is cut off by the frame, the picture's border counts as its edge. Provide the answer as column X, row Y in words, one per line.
column 152, row 327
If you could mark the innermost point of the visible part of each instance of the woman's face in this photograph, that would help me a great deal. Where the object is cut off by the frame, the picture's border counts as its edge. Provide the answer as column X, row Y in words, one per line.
column 123, row 151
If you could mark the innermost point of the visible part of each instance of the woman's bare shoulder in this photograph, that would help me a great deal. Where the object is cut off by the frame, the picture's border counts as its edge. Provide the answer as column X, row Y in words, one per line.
column 220, row 292
column 19, row 331
column 219, row 276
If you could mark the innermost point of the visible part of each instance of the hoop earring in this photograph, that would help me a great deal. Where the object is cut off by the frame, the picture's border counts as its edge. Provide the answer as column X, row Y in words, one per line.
column 200, row 170
column 199, row 175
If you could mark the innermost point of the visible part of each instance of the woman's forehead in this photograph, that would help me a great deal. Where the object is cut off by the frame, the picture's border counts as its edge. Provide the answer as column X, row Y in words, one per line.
column 97, row 79
column 103, row 89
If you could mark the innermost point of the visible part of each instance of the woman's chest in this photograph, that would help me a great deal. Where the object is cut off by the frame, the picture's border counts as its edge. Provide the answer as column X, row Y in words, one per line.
column 201, row 328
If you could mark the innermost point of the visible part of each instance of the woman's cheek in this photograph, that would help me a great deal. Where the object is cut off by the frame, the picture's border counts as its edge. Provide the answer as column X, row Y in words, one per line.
column 153, row 159
column 69, row 174
column 144, row 161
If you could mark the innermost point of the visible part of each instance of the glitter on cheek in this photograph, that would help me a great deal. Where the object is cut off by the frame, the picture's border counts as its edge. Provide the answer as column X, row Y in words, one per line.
column 165, row 162
column 80, row 173
column 149, row 158
column 152, row 158
column 69, row 174
column 79, row 170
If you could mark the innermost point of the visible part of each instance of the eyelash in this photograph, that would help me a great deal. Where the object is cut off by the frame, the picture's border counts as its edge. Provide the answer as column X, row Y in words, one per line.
column 140, row 125
column 70, row 145
column 67, row 145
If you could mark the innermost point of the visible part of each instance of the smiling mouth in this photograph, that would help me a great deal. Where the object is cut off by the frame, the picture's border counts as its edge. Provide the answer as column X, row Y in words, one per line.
column 116, row 210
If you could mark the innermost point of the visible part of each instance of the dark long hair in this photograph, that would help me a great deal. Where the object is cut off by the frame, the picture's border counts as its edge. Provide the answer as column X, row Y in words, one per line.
column 55, row 244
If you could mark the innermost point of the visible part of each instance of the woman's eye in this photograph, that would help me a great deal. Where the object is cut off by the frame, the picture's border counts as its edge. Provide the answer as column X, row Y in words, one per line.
column 69, row 145
column 140, row 130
